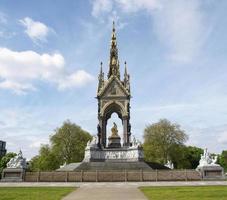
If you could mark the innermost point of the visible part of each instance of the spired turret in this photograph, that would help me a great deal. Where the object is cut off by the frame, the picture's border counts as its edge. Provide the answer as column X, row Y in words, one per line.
column 114, row 62
column 100, row 78
column 126, row 79
column 113, row 95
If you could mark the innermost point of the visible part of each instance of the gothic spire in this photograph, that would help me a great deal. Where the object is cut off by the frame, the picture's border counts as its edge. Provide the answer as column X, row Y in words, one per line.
column 126, row 78
column 126, row 73
column 114, row 62
column 101, row 78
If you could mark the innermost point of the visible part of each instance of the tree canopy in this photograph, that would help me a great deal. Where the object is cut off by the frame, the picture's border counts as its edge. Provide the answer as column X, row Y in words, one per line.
column 161, row 141
column 69, row 142
column 5, row 159
column 223, row 159
column 186, row 157
column 67, row 145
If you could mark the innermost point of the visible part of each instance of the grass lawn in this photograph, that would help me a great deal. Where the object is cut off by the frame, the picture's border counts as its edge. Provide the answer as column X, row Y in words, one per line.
column 34, row 193
column 186, row 193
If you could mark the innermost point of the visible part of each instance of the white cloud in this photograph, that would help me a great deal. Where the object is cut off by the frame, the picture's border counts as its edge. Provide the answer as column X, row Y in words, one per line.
column 100, row 6
column 136, row 5
column 3, row 18
column 78, row 78
column 18, row 70
column 222, row 139
column 179, row 25
column 36, row 30
column 17, row 87
column 36, row 142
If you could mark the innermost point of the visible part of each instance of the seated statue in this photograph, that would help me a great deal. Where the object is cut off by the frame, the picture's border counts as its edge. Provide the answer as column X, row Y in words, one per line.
column 206, row 159
column 17, row 162
column 114, row 130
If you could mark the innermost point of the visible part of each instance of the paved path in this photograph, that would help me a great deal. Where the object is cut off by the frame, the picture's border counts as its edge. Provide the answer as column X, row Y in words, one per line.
column 112, row 184
column 123, row 191
column 110, row 191
column 106, row 193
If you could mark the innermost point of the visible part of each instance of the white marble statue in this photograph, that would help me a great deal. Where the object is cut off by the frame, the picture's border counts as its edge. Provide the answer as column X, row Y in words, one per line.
column 169, row 164
column 61, row 166
column 206, row 159
column 214, row 160
column 17, row 162
column 135, row 143
column 93, row 142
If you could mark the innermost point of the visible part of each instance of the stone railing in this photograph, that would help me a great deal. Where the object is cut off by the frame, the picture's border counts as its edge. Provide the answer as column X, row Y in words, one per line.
column 112, row 176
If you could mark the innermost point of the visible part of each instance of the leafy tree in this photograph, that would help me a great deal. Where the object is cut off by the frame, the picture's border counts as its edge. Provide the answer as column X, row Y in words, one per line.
column 5, row 159
column 34, row 164
column 45, row 161
column 69, row 142
column 186, row 157
column 223, row 159
column 162, row 140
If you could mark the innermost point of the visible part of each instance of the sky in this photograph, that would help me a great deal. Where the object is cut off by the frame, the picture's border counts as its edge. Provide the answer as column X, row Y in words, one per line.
column 50, row 54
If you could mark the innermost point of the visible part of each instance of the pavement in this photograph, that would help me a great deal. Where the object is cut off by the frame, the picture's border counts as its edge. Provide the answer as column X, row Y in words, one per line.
column 111, row 184
column 110, row 190
column 106, row 193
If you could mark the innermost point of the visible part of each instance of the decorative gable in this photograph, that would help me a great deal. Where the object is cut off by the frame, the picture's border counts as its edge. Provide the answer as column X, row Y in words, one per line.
column 112, row 88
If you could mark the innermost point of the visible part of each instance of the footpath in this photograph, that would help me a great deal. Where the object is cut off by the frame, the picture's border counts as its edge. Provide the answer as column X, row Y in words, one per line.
column 110, row 190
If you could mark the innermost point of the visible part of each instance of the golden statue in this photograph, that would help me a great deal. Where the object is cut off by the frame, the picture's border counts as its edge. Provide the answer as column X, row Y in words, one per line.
column 114, row 130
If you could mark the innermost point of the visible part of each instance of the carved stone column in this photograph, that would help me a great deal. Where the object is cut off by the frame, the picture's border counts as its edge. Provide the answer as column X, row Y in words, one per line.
column 125, row 131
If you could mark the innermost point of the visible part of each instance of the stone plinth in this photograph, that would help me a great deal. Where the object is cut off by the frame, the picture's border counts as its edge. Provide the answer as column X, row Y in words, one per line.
column 15, row 169
column 12, row 175
column 114, row 142
column 208, row 167
column 117, row 154
column 211, row 171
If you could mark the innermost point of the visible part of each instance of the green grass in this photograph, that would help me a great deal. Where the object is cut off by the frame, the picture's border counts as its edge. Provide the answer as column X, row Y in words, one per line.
column 186, row 193
column 34, row 193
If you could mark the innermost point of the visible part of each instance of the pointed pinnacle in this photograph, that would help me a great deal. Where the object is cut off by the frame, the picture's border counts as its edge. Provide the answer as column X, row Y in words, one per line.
column 126, row 68
column 113, row 26
column 101, row 68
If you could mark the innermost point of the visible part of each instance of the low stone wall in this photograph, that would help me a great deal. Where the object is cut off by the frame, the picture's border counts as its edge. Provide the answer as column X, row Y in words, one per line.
column 113, row 176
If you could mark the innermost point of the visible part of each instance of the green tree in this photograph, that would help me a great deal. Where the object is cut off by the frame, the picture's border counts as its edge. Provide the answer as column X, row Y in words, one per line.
column 69, row 142
column 223, row 159
column 34, row 164
column 47, row 160
column 5, row 159
column 186, row 157
column 162, row 140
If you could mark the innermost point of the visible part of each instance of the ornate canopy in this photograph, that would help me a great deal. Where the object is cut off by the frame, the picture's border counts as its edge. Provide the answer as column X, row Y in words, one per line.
column 113, row 96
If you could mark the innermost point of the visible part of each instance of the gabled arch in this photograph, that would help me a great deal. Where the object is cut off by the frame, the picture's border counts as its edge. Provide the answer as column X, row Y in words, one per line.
column 112, row 107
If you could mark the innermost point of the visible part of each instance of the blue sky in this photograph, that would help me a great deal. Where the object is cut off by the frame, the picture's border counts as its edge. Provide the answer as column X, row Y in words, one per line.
column 50, row 54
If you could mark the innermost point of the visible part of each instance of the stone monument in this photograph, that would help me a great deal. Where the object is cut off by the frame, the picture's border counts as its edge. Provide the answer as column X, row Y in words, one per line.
column 169, row 164
column 15, row 169
column 208, row 167
column 113, row 95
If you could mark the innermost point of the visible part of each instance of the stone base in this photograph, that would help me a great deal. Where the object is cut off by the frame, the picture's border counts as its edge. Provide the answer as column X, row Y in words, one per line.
column 114, row 142
column 130, row 154
column 12, row 175
column 105, row 166
column 211, row 172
